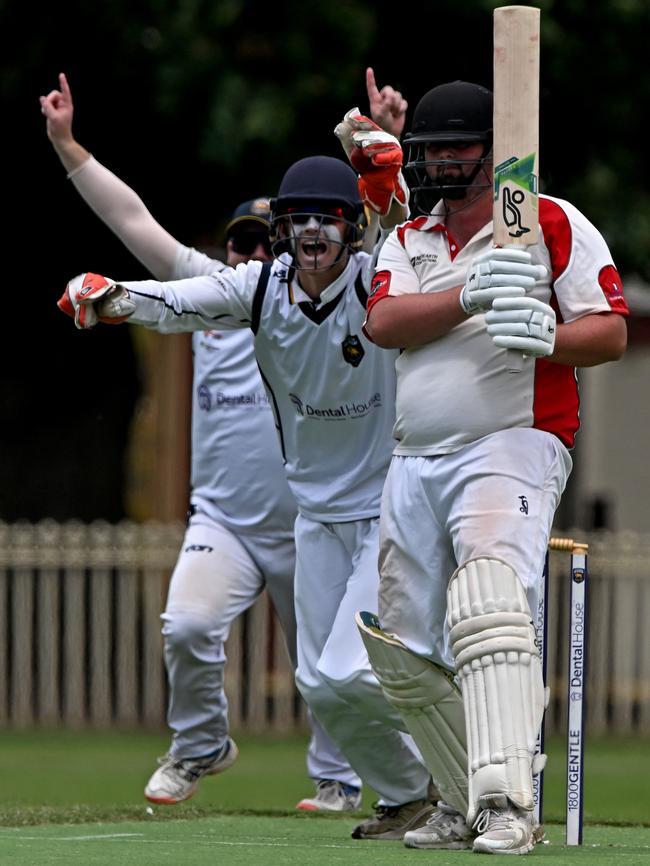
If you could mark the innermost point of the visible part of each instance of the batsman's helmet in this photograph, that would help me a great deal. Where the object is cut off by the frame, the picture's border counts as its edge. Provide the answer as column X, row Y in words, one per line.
column 456, row 112
column 325, row 188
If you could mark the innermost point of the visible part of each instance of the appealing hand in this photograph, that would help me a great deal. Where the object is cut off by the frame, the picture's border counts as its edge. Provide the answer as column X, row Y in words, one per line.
column 58, row 109
column 377, row 157
column 387, row 106
column 91, row 298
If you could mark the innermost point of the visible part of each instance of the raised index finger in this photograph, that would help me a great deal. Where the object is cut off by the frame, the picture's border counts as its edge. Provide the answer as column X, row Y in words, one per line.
column 371, row 85
column 65, row 87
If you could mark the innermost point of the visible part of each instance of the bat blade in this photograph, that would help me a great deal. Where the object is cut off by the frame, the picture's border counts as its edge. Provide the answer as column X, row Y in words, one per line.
column 516, row 124
column 516, row 132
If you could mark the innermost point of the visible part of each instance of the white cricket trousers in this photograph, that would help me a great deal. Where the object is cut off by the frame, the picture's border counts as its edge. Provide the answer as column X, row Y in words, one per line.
column 496, row 497
column 337, row 575
column 219, row 575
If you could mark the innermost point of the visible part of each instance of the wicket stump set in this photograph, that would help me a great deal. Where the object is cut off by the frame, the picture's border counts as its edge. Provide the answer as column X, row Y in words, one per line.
column 576, row 681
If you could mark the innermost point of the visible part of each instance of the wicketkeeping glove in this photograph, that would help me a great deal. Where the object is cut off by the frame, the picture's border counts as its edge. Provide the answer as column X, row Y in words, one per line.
column 525, row 324
column 376, row 156
column 503, row 272
column 91, row 298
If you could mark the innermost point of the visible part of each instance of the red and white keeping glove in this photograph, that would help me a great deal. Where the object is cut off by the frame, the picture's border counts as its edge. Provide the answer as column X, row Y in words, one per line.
column 91, row 298
column 376, row 156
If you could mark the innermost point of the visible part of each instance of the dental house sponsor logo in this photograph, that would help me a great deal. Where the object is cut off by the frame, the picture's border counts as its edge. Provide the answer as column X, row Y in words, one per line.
column 350, row 409
column 208, row 400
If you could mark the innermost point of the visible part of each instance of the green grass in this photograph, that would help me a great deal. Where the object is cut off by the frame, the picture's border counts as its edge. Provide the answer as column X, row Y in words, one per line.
column 76, row 798
column 89, row 773
column 265, row 841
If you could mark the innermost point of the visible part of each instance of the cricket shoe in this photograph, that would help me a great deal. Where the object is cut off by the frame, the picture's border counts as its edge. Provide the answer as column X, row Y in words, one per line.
column 177, row 778
column 503, row 828
column 444, row 829
column 332, row 796
column 392, row 822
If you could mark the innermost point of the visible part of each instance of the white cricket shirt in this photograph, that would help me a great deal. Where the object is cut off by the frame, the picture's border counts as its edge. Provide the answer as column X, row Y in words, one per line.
column 331, row 389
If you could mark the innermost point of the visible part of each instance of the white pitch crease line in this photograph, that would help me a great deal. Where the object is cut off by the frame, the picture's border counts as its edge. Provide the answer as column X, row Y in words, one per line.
column 140, row 837
column 80, row 838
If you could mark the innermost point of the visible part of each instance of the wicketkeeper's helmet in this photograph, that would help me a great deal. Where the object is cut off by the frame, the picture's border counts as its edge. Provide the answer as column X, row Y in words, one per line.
column 323, row 187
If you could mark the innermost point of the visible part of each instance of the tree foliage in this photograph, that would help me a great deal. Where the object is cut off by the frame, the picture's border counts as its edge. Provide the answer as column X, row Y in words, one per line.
column 200, row 104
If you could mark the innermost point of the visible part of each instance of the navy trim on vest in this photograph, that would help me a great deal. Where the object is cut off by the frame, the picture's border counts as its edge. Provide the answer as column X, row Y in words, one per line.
column 360, row 289
column 258, row 298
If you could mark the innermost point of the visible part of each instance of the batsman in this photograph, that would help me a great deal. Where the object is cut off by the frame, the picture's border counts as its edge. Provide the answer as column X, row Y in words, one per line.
column 481, row 461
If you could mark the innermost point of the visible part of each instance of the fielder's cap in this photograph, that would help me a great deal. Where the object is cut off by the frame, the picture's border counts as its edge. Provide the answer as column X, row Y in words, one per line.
column 255, row 210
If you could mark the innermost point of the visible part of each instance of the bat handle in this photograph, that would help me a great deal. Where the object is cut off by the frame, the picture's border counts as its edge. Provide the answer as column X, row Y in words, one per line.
column 515, row 361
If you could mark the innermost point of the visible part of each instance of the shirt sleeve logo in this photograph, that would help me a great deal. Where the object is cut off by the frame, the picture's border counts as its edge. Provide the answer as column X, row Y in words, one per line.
column 380, row 284
column 612, row 286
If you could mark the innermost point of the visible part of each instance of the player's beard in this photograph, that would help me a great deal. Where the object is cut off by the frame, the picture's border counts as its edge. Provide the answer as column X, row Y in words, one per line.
column 452, row 186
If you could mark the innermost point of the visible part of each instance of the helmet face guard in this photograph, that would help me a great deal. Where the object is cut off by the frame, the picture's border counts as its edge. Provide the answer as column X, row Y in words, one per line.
column 429, row 182
column 314, row 227
column 318, row 207
column 456, row 113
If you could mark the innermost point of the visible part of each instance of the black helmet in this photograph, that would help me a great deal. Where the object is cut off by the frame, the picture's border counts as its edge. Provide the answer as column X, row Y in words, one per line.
column 317, row 185
column 454, row 112
column 458, row 111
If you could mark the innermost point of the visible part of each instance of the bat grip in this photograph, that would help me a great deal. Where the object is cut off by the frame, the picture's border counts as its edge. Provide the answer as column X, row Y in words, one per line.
column 515, row 361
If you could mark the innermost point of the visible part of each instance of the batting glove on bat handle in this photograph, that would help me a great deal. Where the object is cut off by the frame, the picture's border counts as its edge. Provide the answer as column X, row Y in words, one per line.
column 502, row 272
column 91, row 298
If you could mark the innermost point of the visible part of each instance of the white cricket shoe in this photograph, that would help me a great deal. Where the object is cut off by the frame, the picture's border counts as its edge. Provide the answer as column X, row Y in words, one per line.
column 503, row 828
column 332, row 796
column 445, row 829
column 177, row 778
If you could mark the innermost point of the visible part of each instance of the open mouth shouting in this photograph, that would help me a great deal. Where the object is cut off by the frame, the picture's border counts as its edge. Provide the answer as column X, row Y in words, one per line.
column 318, row 245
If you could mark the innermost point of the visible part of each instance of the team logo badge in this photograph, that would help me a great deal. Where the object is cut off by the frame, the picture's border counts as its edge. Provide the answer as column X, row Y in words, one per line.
column 578, row 575
column 352, row 349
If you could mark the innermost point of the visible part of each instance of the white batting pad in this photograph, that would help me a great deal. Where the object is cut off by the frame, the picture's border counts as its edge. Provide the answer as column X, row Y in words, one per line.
column 430, row 703
column 493, row 642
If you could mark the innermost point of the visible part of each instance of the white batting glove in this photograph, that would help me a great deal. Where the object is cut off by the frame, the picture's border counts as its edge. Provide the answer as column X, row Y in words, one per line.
column 91, row 298
column 376, row 156
column 525, row 324
column 502, row 272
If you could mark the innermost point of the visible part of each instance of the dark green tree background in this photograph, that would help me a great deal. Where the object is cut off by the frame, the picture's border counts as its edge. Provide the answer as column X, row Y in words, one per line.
column 199, row 105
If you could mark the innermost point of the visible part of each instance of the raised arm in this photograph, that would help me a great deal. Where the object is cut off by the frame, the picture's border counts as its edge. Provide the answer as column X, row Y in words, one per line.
column 115, row 203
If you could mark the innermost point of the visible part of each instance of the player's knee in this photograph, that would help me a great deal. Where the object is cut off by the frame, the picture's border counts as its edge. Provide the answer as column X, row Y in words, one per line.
column 350, row 688
column 316, row 692
column 488, row 610
column 185, row 630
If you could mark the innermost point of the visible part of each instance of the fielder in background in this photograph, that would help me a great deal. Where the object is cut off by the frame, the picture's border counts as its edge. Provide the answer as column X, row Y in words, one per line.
column 239, row 537
column 333, row 394
column 481, row 461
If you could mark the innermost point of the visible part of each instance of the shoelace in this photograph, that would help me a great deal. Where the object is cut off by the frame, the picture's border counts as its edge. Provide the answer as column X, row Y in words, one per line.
column 489, row 819
column 328, row 787
column 189, row 768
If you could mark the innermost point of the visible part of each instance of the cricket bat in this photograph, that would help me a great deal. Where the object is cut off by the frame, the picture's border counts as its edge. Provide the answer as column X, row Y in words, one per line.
column 516, row 132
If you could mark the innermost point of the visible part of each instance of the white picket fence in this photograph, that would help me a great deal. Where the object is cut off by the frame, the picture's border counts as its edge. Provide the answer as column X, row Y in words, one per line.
column 80, row 641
